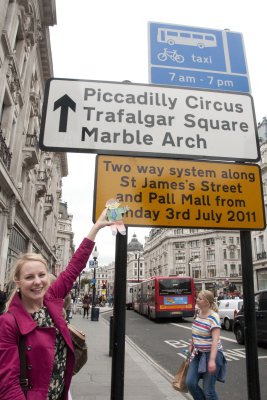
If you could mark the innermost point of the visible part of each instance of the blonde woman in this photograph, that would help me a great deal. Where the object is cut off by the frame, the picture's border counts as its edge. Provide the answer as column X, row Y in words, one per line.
column 208, row 361
column 34, row 318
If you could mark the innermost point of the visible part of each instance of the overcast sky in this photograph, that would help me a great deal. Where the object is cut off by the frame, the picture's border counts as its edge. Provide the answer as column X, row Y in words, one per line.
column 108, row 40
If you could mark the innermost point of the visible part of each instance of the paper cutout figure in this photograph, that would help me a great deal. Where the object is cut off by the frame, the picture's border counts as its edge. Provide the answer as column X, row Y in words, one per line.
column 114, row 214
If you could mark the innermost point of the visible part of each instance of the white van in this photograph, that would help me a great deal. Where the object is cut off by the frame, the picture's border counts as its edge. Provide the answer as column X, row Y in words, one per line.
column 228, row 309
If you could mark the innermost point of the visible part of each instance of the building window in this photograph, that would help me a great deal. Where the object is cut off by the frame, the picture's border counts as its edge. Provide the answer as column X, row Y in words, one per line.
column 225, row 254
column 232, row 254
column 261, row 244
column 210, row 255
column 211, row 271
column 180, row 271
column 262, row 280
column 197, row 273
column 179, row 245
column 195, row 255
column 210, row 241
column 195, row 243
column 178, row 231
column 17, row 241
column 180, row 258
column 232, row 269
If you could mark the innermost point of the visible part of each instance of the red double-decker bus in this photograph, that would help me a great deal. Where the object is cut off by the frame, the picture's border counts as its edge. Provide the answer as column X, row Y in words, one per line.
column 165, row 297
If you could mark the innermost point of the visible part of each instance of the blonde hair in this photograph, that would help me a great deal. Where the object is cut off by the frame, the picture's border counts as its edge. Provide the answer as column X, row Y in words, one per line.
column 52, row 278
column 21, row 260
column 208, row 295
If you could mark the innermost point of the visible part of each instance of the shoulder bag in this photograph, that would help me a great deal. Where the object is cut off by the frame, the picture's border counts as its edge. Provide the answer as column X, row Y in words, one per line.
column 180, row 377
column 80, row 348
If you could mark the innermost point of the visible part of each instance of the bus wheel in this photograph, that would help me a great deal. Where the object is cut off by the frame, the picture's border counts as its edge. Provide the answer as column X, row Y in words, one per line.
column 171, row 42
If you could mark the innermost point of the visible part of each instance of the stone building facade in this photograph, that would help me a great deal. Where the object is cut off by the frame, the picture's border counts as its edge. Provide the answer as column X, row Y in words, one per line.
column 64, row 246
column 211, row 257
column 135, row 261
column 259, row 238
column 30, row 179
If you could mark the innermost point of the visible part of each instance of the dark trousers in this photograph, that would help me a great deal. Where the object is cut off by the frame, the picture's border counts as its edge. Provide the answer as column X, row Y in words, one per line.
column 85, row 312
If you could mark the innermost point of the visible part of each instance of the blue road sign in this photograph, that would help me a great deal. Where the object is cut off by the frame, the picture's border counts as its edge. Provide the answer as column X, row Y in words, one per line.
column 91, row 263
column 197, row 57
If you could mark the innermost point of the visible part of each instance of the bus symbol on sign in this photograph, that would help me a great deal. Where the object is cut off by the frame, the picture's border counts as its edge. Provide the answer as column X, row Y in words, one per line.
column 187, row 38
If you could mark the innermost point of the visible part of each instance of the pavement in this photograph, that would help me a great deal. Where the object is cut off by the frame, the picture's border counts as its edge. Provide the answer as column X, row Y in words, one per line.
column 144, row 379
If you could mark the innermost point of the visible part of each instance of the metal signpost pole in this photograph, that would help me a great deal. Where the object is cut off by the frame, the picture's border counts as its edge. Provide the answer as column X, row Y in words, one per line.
column 250, row 331
column 118, row 348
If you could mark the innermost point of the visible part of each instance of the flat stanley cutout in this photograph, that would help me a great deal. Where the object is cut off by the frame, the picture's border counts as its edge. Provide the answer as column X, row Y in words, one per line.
column 114, row 214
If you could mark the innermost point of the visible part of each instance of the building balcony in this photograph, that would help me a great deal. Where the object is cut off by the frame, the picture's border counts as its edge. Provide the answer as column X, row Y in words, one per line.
column 41, row 183
column 5, row 154
column 262, row 255
column 48, row 205
column 31, row 151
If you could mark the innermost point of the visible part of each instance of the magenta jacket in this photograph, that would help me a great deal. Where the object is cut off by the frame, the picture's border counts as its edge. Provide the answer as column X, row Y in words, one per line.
column 40, row 342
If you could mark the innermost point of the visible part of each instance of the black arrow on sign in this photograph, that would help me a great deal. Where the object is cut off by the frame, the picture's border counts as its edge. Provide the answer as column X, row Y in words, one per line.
column 65, row 102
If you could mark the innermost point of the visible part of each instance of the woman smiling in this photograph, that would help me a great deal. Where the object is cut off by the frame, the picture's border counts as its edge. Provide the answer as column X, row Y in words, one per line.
column 34, row 320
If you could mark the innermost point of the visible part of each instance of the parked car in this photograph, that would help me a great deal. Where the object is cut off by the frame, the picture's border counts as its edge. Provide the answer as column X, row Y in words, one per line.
column 228, row 309
column 261, row 319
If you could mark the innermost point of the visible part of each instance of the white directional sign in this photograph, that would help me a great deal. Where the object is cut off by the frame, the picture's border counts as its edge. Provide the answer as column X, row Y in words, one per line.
column 148, row 120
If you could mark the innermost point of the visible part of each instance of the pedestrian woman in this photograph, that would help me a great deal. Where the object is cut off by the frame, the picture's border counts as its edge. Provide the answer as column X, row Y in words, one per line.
column 207, row 360
column 67, row 307
column 86, row 305
column 35, row 313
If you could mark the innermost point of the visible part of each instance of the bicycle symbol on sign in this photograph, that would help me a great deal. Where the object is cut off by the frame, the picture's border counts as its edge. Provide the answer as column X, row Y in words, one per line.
column 172, row 54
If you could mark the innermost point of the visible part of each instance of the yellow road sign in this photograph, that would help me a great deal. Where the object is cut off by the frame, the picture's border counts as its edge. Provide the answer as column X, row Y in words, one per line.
column 165, row 193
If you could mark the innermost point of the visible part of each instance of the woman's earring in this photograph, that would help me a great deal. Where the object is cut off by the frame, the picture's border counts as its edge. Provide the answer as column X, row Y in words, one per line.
column 18, row 290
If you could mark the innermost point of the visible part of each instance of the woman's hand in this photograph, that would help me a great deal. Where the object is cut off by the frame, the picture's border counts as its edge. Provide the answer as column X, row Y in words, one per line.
column 211, row 366
column 100, row 223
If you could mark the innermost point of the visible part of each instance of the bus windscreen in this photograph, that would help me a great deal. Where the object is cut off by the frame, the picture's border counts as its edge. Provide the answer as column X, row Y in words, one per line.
column 173, row 286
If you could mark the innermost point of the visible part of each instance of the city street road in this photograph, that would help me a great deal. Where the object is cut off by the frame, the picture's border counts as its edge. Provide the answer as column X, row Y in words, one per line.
column 165, row 341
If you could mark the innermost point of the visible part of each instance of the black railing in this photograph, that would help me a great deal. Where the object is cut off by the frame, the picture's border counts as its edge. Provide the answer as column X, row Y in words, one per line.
column 5, row 154
column 31, row 141
column 49, row 199
column 41, row 176
column 261, row 256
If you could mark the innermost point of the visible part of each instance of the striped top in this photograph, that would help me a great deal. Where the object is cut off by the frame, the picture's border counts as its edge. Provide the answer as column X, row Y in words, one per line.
column 201, row 332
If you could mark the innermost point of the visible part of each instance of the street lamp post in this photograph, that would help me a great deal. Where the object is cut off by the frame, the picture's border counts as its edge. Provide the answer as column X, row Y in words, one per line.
column 189, row 265
column 95, row 255
column 138, row 268
column 95, row 310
